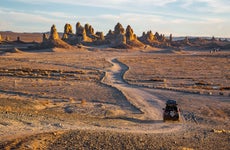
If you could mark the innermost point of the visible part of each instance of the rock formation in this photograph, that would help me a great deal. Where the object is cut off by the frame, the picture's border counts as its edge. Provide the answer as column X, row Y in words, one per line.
column 89, row 30
column 117, row 38
column 65, row 37
column 0, row 37
column 81, row 33
column 68, row 31
column 156, row 40
column 162, row 38
column 157, row 36
column 121, row 38
column 91, row 35
column 148, row 38
column 213, row 39
column 53, row 33
column 110, row 35
column 186, row 41
column 44, row 37
column 18, row 39
column 53, row 40
column 170, row 38
column 131, row 38
column 7, row 38
column 118, row 29
column 100, row 36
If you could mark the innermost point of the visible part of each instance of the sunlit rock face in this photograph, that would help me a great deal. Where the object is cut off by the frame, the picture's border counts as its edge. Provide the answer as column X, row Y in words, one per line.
column 100, row 36
column 68, row 32
column 117, row 37
column 53, row 33
column 130, row 36
column 53, row 41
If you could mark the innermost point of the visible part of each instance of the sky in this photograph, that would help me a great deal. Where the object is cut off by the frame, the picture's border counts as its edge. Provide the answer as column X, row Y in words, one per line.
column 176, row 17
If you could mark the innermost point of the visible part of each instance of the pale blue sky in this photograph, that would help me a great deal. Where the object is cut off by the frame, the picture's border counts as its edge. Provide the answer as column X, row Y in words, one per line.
column 179, row 17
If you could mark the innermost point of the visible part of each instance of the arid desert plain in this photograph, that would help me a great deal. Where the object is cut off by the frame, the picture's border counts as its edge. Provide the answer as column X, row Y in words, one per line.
column 98, row 94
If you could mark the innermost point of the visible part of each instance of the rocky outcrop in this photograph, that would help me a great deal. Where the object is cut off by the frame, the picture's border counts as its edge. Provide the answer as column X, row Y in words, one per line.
column 170, row 38
column 68, row 35
column 131, row 38
column 213, row 39
column 117, row 38
column 100, row 36
column 18, row 39
column 118, row 29
column 81, row 34
column 0, row 37
column 110, row 35
column 148, row 38
column 155, row 40
column 53, row 33
column 160, row 37
column 68, row 32
column 89, row 30
column 53, row 41
column 7, row 38
column 44, row 37
column 68, row 29
column 186, row 41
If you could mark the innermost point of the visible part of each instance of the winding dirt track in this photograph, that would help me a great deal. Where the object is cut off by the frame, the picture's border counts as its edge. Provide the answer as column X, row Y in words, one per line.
column 149, row 120
column 149, row 104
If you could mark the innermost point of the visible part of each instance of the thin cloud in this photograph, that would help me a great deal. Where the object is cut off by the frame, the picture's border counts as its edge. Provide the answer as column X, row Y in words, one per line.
column 23, row 21
column 193, row 16
column 208, row 6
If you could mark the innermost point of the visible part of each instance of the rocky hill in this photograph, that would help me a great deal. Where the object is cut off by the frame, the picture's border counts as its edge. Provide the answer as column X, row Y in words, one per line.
column 119, row 37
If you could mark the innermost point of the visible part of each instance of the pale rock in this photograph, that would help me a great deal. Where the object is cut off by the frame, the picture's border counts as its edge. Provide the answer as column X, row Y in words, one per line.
column 130, row 36
column 80, row 32
column 53, row 33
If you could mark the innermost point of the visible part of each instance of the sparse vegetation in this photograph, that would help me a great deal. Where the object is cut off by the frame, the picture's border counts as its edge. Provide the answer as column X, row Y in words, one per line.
column 182, row 72
column 55, row 98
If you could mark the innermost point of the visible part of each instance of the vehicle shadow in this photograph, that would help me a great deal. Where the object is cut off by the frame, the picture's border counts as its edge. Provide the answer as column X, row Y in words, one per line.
column 136, row 120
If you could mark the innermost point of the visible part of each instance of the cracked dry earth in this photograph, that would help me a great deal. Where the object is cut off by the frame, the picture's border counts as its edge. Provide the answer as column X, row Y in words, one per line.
column 117, row 115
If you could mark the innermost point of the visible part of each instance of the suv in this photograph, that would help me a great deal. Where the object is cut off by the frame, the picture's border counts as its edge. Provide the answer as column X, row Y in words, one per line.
column 171, row 111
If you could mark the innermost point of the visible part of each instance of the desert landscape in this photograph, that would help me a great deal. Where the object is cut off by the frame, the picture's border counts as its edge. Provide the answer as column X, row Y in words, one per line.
column 87, row 90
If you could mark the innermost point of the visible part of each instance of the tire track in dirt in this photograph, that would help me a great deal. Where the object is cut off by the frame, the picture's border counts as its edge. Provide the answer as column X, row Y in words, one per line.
column 150, row 105
column 148, row 121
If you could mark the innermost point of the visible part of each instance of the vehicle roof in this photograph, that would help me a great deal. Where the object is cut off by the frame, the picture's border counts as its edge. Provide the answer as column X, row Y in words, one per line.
column 171, row 102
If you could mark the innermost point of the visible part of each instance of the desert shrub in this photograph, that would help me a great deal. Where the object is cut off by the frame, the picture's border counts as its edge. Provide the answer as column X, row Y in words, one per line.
column 71, row 100
column 83, row 102
column 114, row 112
column 225, row 88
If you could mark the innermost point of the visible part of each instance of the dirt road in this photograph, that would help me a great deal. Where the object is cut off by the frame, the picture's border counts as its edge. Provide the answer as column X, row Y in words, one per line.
column 135, row 119
column 149, row 104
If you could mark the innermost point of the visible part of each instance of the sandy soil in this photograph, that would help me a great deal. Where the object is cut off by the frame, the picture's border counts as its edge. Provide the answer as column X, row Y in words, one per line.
column 84, row 100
